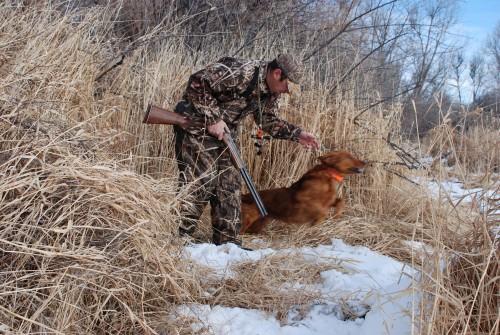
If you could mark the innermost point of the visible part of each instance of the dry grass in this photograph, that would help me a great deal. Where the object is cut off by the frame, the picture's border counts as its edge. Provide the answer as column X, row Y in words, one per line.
column 475, row 276
column 88, row 237
column 85, row 245
column 260, row 285
column 473, row 151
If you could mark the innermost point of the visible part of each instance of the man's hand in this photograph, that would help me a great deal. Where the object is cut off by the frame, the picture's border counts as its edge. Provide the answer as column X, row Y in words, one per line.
column 217, row 129
column 308, row 140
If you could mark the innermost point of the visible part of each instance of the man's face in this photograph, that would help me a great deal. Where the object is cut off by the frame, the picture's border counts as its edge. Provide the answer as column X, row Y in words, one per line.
column 277, row 86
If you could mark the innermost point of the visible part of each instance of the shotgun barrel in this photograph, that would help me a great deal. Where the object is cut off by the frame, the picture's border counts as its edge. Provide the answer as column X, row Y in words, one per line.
column 238, row 163
column 157, row 115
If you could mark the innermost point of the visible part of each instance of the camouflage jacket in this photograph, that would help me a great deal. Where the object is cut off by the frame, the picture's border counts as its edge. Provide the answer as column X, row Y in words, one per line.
column 230, row 90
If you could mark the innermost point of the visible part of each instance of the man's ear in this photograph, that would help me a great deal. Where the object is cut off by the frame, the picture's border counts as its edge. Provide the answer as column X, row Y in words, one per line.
column 277, row 74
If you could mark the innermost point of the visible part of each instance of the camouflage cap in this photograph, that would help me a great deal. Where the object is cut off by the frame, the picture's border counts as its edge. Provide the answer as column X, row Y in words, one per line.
column 291, row 66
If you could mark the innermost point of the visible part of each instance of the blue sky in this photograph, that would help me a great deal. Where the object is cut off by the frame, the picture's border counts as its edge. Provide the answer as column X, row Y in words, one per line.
column 479, row 18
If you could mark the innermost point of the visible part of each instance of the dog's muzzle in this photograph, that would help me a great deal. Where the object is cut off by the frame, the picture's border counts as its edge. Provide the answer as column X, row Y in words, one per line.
column 356, row 170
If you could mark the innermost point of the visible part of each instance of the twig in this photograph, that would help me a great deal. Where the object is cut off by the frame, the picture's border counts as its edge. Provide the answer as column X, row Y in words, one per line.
column 344, row 28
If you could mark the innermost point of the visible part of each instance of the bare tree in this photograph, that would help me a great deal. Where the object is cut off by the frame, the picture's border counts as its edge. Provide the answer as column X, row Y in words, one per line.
column 458, row 67
column 488, row 97
column 493, row 50
column 477, row 74
column 429, row 45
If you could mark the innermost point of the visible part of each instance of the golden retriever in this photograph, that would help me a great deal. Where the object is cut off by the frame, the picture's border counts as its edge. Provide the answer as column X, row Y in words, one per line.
column 306, row 201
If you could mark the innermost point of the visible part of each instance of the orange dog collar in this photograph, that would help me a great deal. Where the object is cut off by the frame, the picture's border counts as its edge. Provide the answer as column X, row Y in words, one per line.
column 332, row 173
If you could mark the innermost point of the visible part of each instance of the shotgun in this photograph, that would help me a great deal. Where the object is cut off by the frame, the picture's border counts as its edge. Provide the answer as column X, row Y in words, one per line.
column 157, row 115
column 238, row 163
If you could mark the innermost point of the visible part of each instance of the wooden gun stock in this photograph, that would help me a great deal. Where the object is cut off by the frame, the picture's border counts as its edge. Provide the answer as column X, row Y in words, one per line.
column 157, row 115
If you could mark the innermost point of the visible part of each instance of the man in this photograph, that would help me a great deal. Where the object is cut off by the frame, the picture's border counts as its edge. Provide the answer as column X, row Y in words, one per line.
column 220, row 96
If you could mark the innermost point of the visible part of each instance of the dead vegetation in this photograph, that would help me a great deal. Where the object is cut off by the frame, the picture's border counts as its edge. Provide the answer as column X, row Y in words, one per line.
column 88, row 235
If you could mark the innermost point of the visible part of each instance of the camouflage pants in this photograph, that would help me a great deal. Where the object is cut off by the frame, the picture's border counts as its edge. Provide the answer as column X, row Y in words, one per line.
column 206, row 174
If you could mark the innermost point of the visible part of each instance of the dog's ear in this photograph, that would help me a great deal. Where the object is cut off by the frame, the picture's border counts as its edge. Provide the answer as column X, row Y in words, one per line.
column 330, row 158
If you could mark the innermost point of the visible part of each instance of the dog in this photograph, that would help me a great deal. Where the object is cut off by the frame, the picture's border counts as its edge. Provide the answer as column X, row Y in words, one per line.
column 308, row 200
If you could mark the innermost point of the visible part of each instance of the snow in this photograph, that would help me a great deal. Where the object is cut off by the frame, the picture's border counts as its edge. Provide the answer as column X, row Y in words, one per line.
column 375, row 288
column 456, row 191
column 378, row 290
column 486, row 200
